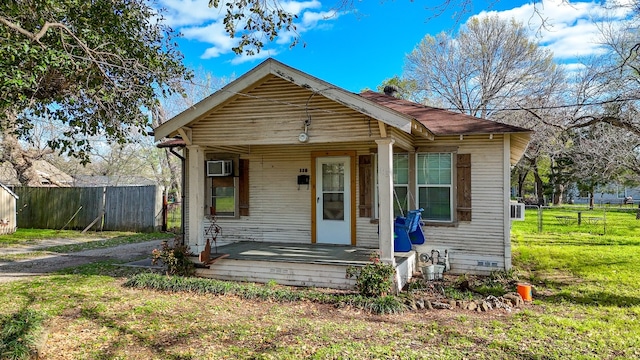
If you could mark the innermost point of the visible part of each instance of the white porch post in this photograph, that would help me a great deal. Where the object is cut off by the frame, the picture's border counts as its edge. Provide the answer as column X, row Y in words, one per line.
column 196, row 199
column 385, row 197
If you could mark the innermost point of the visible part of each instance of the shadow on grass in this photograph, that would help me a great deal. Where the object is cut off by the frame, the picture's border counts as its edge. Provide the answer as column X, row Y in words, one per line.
column 77, row 262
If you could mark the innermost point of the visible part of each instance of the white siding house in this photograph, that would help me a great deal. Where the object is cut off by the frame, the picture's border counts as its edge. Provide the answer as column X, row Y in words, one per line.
column 279, row 127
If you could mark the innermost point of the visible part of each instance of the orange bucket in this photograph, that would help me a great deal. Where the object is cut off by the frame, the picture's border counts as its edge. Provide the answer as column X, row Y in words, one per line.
column 525, row 291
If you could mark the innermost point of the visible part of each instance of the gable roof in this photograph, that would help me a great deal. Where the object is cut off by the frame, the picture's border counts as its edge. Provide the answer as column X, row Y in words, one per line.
column 443, row 122
column 271, row 67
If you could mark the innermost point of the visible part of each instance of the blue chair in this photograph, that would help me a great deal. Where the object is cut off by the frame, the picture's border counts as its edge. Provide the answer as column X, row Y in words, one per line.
column 407, row 231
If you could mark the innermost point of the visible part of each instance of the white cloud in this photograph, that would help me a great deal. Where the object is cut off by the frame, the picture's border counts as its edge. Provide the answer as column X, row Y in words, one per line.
column 570, row 28
column 196, row 21
column 296, row 7
column 179, row 13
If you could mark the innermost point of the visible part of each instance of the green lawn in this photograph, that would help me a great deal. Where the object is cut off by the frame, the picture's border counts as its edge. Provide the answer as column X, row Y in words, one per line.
column 87, row 241
column 586, row 306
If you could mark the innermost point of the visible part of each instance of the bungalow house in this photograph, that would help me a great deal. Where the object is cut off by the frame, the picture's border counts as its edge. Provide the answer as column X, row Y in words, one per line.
column 299, row 172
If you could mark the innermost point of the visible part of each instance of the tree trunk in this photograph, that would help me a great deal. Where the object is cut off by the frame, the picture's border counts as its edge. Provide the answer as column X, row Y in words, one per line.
column 591, row 197
column 558, row 194
column 522, row 175
column 539, row 185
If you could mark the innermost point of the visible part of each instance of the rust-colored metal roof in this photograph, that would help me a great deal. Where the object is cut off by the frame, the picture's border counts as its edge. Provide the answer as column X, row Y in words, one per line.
column 442, row 122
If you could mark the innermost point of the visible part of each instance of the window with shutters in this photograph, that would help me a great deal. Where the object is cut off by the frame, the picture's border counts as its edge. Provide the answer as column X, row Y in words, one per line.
column 229, row 195
column 223, row 196
column 444, row 194
column 369, row 185
column 435, row 186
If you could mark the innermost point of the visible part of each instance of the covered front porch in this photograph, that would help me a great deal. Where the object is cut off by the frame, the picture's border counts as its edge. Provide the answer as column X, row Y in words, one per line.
column 317, row 265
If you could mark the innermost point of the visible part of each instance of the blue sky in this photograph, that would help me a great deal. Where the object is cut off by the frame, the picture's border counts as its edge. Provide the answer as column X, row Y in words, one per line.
column 359, row 48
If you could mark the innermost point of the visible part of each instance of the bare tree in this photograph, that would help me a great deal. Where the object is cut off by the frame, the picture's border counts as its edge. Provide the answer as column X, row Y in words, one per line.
column 489, row 64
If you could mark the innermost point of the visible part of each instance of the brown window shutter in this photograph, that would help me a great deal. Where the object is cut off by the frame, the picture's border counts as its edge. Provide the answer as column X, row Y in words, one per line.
column 365, row 168
column 463, row 186
column 243, row 187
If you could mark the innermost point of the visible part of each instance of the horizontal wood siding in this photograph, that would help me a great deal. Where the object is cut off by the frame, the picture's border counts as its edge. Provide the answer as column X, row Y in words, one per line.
column 275, row 112
column 7, row 212
column 285, row 273
column 405, row 267
column 481, row 239
column 299, row 274
column 519, row 143
column 403, row 141
column 280, row 210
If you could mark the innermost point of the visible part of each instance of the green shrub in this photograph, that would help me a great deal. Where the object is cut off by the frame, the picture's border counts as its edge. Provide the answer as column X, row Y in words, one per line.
column 175, row 259
column 375, row 278
column 378, row 305
column 20, row 334
column 457, row 294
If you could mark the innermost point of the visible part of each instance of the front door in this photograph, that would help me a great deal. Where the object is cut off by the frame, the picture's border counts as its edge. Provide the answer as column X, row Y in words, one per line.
column 333, row 200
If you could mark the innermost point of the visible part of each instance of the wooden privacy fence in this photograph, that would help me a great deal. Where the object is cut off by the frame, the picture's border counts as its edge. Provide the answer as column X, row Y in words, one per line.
column 121, row 208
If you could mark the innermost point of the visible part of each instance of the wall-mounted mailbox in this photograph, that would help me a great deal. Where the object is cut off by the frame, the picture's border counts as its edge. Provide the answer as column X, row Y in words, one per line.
column 303, row 179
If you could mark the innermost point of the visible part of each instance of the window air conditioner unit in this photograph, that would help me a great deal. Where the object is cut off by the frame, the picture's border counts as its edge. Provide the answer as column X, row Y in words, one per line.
column 219, row 167
column 517, row 211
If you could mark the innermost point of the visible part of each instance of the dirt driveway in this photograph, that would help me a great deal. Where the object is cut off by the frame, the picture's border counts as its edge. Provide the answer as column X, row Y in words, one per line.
column 16, row 270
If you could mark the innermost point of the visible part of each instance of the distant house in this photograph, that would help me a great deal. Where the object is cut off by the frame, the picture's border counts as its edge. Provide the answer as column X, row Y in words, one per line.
column 291, row 164
column 613, row 194
column 48, row 175
column 111, row 180
column 8, row 200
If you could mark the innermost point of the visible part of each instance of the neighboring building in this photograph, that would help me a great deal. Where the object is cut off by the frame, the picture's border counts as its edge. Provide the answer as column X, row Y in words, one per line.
column 614, row 194
column 48, row 175
column 8, row 204
column 111, row 180
column 292, row 159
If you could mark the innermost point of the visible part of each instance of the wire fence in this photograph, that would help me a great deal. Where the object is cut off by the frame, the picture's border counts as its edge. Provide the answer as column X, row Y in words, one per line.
column 601, row 220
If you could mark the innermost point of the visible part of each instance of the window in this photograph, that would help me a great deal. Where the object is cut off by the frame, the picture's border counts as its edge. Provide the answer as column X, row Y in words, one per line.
column 223, row 196
column 400, row 184
column 443, row 193
column 229, row 195
column 435, row 190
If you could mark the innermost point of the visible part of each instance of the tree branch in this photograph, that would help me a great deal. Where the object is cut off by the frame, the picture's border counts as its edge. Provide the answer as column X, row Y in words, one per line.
column 29, row 34
column 48, row 25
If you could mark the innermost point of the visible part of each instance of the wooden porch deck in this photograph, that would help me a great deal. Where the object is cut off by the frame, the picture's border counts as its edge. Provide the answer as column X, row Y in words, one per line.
column 318, row 265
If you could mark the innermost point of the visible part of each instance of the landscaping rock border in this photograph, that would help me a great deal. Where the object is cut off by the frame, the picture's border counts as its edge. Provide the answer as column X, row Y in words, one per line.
column 506, row 302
